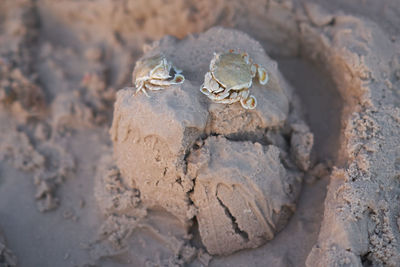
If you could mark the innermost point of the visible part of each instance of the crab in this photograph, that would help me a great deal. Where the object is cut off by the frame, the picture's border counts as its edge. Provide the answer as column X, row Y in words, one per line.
column 230, row 77
column 155, row 73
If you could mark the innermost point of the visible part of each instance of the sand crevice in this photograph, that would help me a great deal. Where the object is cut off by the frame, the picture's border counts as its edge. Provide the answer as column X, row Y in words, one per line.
column 235, row 225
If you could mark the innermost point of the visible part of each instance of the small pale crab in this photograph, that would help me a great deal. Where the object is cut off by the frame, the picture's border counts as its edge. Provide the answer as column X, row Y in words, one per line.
column 230, row 77
column 155, row 73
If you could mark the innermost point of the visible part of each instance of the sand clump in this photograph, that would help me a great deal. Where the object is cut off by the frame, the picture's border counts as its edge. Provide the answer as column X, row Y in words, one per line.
column 48, row 161
column 243, row 193
column 190, row 156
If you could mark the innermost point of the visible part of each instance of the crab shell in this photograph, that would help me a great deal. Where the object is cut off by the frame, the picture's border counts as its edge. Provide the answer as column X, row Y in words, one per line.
column 156, row 67
column 232, row 71
column 155, row 73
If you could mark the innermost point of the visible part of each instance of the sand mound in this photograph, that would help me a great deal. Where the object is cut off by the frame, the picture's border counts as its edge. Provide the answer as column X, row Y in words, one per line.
column 165, row 147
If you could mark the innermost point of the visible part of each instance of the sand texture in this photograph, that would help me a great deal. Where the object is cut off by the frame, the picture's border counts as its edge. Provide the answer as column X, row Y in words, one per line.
column 7, row 258
column 93, row 175
column 243, row 194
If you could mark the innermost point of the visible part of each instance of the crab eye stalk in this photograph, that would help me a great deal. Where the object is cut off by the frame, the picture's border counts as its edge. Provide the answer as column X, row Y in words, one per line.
column 262, row 76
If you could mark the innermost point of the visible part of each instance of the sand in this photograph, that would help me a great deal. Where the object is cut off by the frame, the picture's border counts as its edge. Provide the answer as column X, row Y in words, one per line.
column 66, row 197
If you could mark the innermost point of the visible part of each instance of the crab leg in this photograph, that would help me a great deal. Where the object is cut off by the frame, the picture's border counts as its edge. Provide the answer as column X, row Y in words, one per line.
column 227, row 101
column 234, row 97
column 155, row 82
column 218, row 89
column 213, row 97
column 139, row 87
column 153, row 87
column 143, row 89
column 244, row 94
column 221, row 95
column 178, row 79
column 216, row 98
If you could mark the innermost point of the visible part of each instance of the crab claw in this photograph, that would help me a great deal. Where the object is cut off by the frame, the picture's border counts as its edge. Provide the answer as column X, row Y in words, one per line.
column 178, row 78
column 249, row 103
column 204, row 90
column 262, row 75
